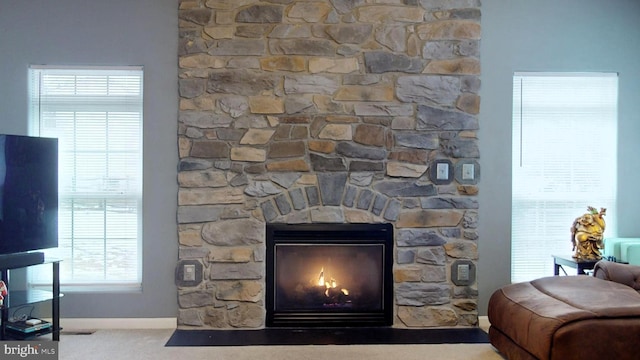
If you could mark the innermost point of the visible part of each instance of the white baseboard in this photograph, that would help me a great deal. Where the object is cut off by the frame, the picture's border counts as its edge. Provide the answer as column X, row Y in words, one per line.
column 483, row 322
column 117, row 323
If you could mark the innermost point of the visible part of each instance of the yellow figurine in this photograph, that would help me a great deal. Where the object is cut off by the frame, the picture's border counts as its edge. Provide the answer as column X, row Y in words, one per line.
column 587, row 234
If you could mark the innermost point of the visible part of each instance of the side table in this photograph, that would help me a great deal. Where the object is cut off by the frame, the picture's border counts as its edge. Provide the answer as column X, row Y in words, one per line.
column 559, row 261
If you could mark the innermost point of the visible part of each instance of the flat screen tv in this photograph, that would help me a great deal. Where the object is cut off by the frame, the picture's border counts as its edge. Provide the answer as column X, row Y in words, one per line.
column 28, row 193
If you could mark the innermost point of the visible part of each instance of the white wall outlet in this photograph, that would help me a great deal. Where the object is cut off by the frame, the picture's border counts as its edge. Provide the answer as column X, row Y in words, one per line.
column 442, row 171
column 463, row 272
column 189, row 273
column 468, row 171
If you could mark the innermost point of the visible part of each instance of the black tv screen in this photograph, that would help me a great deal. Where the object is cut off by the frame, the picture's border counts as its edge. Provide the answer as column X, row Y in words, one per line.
column 28, row 193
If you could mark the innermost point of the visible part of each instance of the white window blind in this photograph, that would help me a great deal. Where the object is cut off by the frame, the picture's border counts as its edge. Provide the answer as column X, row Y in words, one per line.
column 564, row 159
column 96, row 113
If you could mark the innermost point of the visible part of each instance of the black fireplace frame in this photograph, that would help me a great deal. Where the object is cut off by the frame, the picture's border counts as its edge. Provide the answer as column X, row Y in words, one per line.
column 329, row 234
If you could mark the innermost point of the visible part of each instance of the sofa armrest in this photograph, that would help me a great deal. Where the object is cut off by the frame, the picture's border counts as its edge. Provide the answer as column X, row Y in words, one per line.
column 621, row 273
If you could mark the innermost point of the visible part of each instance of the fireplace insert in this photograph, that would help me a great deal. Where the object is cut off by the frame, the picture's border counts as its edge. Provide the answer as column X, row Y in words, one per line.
column 329, row 275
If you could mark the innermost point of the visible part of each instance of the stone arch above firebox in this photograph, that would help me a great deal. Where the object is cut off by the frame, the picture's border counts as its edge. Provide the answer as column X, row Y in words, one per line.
column 328, row 201
column 332, row 195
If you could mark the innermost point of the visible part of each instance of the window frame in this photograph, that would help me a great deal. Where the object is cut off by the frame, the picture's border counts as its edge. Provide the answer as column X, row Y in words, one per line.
column 559, row 208
column 116, row 101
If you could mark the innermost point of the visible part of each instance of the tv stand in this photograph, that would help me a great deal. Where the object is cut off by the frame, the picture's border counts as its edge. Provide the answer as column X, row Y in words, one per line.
column 18, row 298
column 14, row 261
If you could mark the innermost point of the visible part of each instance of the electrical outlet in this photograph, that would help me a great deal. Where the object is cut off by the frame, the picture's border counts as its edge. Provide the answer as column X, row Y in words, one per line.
column 468, row 171
column 463, row 272
column 189, row 273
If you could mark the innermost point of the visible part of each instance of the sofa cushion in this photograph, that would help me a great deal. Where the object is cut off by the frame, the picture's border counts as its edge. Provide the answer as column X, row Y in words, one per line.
column 532, row 313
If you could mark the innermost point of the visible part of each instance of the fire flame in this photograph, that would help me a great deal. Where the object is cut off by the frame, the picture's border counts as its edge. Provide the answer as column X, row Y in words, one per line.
column 321, row 278
column 331, row 284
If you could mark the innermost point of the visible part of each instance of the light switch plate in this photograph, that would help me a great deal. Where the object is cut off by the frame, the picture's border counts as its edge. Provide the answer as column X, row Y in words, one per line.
column 441, row 172
column 467, row 171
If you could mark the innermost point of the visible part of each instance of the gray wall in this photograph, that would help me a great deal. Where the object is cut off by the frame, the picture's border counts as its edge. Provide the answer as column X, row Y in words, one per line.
column 518, row 35
column 550, row 35
column 114, row 32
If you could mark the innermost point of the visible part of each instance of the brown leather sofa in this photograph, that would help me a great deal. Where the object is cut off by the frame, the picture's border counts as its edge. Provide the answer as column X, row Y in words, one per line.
column 569, row 317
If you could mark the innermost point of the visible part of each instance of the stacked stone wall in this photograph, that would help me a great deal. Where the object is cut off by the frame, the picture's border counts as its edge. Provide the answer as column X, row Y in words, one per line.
column 327, row 111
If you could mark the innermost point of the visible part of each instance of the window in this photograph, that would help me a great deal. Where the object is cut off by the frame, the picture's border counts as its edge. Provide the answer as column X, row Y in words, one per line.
column 96, row 113
column 564, row 159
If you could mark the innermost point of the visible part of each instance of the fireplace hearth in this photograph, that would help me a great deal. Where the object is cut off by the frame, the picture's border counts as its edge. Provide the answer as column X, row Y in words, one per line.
column 329, row 275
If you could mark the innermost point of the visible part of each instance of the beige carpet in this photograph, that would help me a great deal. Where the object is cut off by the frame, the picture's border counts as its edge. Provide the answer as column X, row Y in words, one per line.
column 149, row 344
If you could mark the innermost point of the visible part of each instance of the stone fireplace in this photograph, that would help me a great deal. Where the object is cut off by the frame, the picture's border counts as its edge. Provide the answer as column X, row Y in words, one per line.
column 328, row 112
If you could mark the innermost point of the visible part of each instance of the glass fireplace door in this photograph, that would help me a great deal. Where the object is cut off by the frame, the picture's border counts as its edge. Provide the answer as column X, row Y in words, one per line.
column 329, row 275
